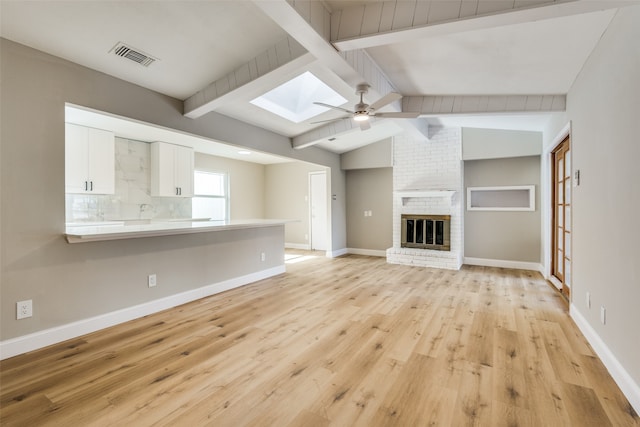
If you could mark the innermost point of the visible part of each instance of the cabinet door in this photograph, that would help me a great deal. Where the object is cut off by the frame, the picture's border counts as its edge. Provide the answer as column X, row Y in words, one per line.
column 162, row 170
column 184, row 170
column 76, row 152
column 101, row 161
column 171, row 170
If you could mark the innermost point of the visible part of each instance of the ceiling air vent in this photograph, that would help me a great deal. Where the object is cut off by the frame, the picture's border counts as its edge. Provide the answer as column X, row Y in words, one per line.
column 133, row 54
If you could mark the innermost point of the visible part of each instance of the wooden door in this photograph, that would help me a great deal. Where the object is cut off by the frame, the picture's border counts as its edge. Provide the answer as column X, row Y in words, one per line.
column 561, row 218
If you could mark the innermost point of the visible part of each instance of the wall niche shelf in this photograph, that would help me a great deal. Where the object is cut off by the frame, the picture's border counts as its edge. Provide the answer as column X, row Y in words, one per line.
column 509, row 198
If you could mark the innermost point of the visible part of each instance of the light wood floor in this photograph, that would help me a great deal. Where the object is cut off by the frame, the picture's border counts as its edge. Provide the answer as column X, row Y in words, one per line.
column 351, row 341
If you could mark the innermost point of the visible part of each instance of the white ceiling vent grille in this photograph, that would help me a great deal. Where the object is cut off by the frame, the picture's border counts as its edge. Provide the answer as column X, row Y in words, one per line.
column 133, row 54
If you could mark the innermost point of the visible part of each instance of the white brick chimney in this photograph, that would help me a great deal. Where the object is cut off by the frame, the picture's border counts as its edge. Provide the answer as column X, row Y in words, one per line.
column 427, row 180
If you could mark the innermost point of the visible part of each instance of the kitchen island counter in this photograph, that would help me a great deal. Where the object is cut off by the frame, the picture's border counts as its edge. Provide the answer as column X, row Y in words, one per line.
column 115, row 230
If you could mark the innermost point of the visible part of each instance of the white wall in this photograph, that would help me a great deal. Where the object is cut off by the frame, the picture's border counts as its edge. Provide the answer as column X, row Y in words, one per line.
column 604, row 108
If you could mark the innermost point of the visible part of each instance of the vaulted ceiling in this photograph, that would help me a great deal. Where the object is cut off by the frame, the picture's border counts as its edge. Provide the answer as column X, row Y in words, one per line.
column 512, row 60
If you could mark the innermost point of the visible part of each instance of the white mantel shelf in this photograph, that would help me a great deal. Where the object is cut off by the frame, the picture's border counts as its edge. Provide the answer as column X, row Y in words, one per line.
column 117, row 230
column 413, row 194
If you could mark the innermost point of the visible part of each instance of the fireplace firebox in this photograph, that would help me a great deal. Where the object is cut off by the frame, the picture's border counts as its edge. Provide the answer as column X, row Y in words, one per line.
column 426, row 232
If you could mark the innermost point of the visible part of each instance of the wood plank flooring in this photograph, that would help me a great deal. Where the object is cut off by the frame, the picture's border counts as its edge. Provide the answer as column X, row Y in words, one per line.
column 351, row 341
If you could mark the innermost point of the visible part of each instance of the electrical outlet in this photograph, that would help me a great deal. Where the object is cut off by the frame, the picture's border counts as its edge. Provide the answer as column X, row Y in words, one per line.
column 603, row 315
column 24, row 309
column 151, row 280
column 263, row 256
column 588, row 300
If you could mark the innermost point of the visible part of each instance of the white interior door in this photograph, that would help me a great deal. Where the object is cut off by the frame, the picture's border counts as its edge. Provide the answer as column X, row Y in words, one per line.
column 318, row 210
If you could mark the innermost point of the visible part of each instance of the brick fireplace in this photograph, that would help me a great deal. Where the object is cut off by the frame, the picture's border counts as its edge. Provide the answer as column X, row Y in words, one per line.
column 427, row 183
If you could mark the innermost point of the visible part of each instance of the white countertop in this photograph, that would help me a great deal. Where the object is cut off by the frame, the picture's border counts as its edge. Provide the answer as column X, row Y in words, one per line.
column 114, row 230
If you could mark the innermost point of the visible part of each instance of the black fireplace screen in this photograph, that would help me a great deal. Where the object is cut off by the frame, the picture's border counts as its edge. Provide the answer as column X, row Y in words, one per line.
column 426, row 232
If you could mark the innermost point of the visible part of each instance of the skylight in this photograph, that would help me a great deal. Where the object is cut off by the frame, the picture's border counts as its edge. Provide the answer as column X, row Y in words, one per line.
column 294, row 100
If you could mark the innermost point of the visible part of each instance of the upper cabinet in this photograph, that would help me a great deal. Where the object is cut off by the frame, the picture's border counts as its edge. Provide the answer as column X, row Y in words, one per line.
column 171, row 170
column 89, row 160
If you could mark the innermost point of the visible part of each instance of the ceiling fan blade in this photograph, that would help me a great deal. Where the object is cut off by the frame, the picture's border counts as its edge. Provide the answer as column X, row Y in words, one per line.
column 387, row 99
column 406, row 115
column 330, row 120
column 364, row 125
column 333, row 107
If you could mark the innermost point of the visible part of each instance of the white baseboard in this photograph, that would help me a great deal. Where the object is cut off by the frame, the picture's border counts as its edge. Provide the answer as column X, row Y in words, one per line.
column 337, row 253
column 629, row 387
column 303, row 246
column 368, row 252
column 520, row 265
column 15, row 346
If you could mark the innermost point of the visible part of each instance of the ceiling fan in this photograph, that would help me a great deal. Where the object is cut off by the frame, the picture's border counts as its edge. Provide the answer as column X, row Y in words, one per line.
column 363, row 112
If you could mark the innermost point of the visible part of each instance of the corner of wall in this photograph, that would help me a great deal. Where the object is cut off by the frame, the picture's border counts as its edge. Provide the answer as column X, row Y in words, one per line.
column 625, row 381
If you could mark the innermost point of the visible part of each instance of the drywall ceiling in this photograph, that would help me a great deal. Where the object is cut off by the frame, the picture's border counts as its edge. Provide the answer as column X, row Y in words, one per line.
column 540, row 57
column 196, row 42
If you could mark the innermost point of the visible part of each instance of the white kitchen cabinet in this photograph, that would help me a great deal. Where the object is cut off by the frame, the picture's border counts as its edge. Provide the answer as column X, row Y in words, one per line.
column 171, row 170
column 89, row 160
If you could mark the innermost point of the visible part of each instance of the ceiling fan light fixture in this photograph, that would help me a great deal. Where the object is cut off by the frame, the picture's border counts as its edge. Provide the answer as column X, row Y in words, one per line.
column 361, row 116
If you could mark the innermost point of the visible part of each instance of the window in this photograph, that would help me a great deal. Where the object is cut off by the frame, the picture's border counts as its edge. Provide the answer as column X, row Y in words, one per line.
column 211, row 195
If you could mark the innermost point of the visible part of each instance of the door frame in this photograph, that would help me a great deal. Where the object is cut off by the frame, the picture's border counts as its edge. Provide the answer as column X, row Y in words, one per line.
column 561, row 276
column 547, row 205
column 327, row 205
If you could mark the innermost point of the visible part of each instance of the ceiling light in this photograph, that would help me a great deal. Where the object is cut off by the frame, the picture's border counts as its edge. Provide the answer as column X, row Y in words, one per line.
column 360, row 116
column 244, row 152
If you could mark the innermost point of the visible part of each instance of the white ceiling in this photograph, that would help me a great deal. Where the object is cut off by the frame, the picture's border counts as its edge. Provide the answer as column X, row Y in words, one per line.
column 198, row 42
column 542, row 57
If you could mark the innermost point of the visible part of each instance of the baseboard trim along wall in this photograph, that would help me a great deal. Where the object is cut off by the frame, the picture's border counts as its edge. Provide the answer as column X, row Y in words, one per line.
column 520, row 265
column 627, row 385
column 303, row 246
column 368, row 252
column 337, row 253
column 15, row 346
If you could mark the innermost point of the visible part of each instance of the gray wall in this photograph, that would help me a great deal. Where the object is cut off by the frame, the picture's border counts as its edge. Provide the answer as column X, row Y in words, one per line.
column 286, row 196
column 604, row 108
column 497, row 143
column 72, row 282
column 376, row 155
column 246, row 195
column 370, row 190
column 511, row 236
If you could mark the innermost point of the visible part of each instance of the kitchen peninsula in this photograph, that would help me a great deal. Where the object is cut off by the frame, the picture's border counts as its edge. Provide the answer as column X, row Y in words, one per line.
column 115, row 230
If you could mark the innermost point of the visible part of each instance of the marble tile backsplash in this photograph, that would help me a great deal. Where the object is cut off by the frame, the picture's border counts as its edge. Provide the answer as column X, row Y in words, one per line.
column 132, row 199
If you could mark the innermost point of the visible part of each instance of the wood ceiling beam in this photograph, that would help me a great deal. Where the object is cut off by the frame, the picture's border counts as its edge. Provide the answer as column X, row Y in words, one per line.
column 390, row 22
column 282, row 57
column 441, row 105
column 308, row 22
